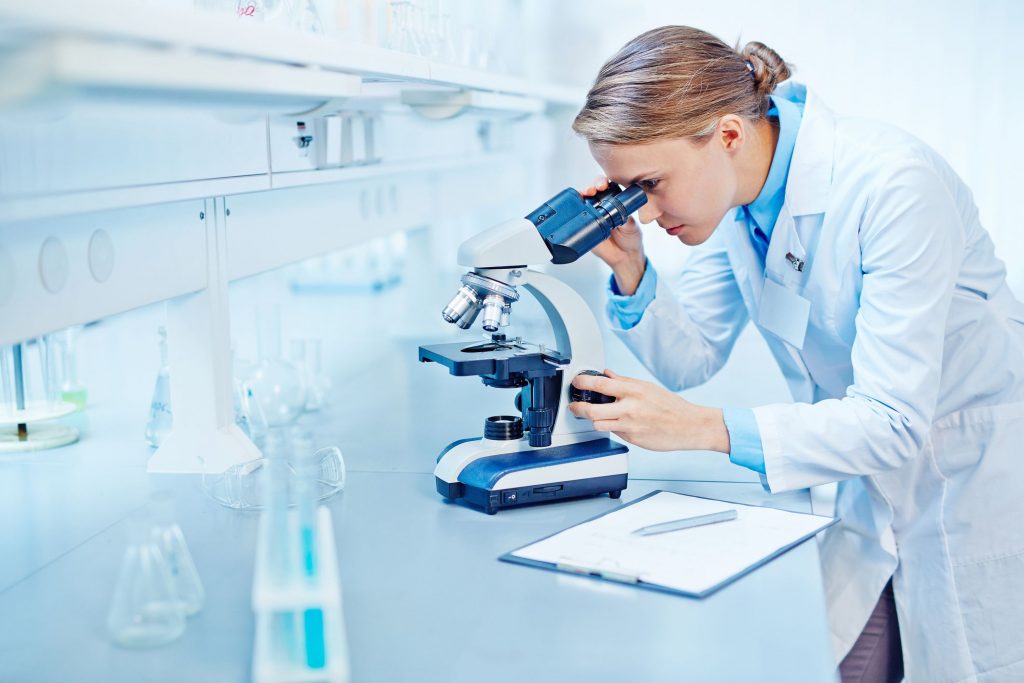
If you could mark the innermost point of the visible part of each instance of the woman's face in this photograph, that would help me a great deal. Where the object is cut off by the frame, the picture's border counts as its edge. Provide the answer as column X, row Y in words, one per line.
column 690, row 186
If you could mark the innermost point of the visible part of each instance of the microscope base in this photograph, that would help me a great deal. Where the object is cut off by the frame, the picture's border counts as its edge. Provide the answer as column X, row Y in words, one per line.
column 542, row 475
column 493, row 500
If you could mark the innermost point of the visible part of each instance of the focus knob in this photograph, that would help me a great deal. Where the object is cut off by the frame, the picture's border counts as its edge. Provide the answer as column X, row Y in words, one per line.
column 588, row 396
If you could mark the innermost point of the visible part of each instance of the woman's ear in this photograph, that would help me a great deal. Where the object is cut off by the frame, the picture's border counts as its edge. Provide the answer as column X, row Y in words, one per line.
column 731, row 133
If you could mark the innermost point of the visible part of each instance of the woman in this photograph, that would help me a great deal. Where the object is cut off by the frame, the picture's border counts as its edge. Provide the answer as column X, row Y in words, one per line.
column 857, row 252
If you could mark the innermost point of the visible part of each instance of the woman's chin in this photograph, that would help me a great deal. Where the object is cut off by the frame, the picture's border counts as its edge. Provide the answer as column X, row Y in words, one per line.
column 692, row 236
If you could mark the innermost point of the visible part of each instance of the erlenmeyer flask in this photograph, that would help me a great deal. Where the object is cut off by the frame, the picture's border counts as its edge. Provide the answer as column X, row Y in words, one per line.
column 160, row 419
column 167, row 534
column 145, row 611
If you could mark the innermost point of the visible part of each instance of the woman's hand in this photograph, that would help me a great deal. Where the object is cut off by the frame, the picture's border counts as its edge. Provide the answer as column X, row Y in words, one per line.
column 624, row 250
column 650, row 416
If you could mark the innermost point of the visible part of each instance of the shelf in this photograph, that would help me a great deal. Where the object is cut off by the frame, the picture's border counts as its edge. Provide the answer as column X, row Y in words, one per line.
column 19, row 209
column 224, row 38
column 63, row 66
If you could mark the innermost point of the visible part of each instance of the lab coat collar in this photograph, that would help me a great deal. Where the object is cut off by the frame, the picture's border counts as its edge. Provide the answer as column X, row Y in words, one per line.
column 810, row 171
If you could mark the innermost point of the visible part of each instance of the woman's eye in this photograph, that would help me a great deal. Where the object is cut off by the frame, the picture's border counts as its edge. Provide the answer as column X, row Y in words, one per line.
column 648, row 185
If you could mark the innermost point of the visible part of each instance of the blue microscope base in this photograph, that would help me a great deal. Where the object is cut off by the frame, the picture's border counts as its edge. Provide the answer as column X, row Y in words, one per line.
column 493, row 500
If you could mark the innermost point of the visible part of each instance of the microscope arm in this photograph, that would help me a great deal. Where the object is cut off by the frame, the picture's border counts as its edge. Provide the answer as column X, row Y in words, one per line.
column 577, row 334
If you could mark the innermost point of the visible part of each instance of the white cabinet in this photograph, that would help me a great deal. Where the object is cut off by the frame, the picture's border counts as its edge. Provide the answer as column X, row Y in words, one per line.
column 63, row 271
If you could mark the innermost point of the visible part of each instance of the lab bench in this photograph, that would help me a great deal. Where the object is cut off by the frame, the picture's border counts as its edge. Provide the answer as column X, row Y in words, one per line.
column 424, row 595
column 425, row 599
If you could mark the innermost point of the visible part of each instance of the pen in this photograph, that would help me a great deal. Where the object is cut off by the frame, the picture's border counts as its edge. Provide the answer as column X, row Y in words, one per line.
column 688, row 522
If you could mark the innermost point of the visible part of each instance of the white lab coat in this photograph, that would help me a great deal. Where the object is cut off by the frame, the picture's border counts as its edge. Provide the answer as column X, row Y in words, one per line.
column 908, row 388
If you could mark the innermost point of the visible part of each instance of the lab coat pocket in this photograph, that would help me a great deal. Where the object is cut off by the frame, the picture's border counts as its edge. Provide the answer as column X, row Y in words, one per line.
column 992, row 603
column 977, row 452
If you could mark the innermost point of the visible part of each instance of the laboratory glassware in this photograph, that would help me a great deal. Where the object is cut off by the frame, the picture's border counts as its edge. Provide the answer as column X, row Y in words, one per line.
column 30, row 398
column 145, row 610
column 171, row 541
column 305, row 17
column 307, row 470
column 71, row 390
column 404, row 36
column 160, row 416
column 307, row 356
column 276, row 384
column 248, row 414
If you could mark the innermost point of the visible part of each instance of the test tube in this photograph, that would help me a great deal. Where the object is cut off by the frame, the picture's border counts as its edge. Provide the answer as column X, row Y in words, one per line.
column 277, row 450
column 307, row 471
column 19, row 390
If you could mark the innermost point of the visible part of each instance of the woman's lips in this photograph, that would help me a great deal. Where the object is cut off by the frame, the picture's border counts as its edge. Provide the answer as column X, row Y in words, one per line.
column 676, row 230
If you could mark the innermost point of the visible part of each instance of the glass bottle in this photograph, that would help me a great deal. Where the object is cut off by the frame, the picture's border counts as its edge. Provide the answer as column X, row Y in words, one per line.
column 160, row 417
column 167, row 534
column 145, row 611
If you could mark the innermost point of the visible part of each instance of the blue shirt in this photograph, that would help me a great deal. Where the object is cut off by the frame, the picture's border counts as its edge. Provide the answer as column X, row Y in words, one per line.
column 761, row 215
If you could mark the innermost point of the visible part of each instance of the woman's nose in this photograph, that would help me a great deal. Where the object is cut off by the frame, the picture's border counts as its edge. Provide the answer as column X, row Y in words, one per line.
column 648, row 212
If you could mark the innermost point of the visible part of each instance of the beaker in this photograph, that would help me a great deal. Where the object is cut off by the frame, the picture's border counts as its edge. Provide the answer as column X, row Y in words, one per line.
column 168, row 536
column 160, row 421
column 145, row 610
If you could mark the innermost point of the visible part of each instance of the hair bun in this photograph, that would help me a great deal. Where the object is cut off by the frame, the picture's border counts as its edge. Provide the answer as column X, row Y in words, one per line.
column 769, row 68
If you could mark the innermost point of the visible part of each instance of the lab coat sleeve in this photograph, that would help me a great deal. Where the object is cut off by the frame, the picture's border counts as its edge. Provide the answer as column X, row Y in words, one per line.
column 911, row 245
column 688, row 331
column 745, row 447
column 628, row 310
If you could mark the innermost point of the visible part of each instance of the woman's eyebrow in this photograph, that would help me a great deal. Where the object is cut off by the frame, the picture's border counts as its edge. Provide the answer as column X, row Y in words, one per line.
column 640, row 177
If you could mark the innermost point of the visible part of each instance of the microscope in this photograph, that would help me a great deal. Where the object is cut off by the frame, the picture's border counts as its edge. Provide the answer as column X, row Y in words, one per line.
column 545, row 453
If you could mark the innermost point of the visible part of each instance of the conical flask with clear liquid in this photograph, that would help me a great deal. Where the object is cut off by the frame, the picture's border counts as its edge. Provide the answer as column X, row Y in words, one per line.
column 145, row 611
column 167, row 534
column 160, row 417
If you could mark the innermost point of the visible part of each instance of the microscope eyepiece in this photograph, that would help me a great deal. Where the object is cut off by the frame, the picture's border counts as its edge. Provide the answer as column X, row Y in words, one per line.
column 572, row 225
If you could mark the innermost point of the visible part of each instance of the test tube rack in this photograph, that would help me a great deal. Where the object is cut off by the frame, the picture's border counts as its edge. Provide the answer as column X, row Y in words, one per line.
column 279, row 653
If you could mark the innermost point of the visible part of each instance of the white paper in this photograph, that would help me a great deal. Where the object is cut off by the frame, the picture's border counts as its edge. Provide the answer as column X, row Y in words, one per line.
column 690, row 560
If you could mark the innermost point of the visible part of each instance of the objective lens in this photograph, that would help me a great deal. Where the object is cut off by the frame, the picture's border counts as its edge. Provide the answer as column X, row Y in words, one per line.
column 467, row 319
column 492, row 307
column 464, row 300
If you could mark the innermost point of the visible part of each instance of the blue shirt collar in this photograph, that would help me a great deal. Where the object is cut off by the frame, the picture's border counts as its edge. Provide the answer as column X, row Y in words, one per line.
column 764, row 210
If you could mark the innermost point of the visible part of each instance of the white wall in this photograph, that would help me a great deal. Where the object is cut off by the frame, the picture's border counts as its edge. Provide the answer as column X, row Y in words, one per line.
column 949, row 72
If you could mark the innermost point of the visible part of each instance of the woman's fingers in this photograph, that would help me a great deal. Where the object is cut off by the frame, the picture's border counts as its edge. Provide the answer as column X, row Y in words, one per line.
column 596, row 411
column 598, row 185
column 609, row 386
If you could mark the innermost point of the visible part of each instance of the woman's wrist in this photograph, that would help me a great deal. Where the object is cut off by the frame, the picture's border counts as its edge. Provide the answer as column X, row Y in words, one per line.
column 629, row 274
column 714, row 435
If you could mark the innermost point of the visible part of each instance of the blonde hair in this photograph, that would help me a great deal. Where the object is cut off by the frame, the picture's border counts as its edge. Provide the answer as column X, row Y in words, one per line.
column 676, row 82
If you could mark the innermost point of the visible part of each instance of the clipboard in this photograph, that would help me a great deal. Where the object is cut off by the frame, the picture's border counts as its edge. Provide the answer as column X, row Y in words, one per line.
column 601, row 548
